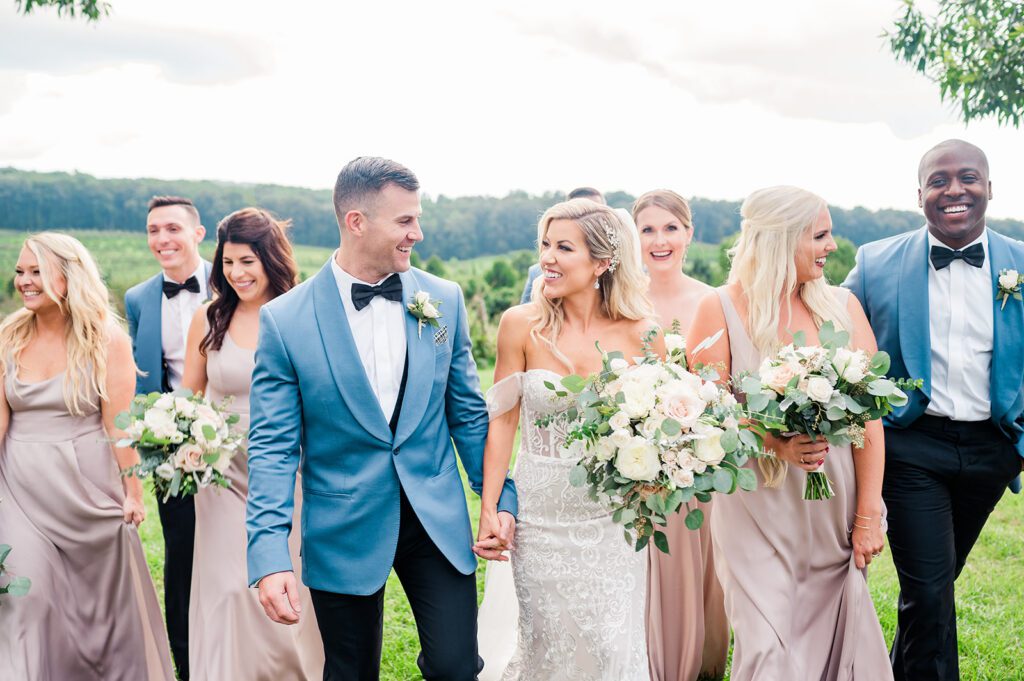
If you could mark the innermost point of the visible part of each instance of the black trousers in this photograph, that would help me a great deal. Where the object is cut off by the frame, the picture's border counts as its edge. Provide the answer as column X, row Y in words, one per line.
column 942, row 480
column 178, row 521
column 443, row 602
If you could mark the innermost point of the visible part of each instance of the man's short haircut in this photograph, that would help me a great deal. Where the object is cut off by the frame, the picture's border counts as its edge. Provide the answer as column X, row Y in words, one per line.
column 161, row 201
column 586, row 193
column 945, row 146
column 364, row 177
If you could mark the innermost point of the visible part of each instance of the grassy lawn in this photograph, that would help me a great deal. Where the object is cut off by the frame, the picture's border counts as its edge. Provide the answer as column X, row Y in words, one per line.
column 989, row 599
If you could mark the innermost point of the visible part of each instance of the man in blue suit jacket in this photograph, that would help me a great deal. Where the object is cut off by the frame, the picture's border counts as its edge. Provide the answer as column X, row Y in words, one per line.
column 350, row 385
column 931, row 298
column 159, row 311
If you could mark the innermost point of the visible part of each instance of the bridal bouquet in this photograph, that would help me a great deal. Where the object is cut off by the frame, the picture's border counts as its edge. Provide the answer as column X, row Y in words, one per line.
column 652, row 437
column 824, row 391
column 185, row 442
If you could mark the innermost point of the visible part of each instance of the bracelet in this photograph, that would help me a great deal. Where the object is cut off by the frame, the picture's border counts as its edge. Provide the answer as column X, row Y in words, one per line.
column 864, row 517
column 863, row 527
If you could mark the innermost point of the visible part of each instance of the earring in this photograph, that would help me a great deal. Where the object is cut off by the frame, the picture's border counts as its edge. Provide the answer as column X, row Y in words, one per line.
column 597, row 283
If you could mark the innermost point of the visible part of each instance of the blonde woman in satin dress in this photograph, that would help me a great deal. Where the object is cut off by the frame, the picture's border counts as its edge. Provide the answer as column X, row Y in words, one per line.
column 687, row 630
column 229, row 636
column 92, row 613
column 580, row 586
column 794, row 570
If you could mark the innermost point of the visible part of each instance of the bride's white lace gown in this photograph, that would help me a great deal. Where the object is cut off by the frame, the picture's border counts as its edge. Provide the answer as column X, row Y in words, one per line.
column 579, row 585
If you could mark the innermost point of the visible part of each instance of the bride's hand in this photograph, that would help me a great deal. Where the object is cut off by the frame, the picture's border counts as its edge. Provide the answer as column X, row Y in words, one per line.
column 496, row 534
column 799, row 450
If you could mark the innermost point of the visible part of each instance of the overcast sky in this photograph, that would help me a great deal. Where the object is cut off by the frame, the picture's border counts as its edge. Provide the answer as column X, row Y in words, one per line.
column 709, row 99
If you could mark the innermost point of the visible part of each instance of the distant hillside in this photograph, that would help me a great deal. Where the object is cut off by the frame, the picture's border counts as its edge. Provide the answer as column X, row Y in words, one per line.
column 463, row 227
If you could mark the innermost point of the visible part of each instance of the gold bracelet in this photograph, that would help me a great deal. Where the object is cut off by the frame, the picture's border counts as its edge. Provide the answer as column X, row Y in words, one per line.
column 864, row 517
column 863, row 527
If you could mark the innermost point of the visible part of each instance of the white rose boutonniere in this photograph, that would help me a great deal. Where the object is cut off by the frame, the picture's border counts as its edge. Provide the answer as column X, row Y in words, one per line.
column 424, row 309
column 1009, row 282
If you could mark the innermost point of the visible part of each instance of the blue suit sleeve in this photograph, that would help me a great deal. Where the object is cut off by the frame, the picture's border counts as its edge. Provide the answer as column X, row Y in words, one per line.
column 466, row 411
column 133, row 318
column 275, row 434
column 855, row 281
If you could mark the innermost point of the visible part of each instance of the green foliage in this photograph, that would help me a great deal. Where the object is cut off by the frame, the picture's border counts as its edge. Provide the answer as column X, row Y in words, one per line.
column 91, row 10
column 436, row 266
column 973, row 50
column 501, row 275
column 415, row 260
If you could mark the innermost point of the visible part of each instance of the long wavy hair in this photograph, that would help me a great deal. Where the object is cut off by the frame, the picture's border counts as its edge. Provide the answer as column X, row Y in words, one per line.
column 268, row 239
column 623, row 292
column 88, row 317
column 774, row 221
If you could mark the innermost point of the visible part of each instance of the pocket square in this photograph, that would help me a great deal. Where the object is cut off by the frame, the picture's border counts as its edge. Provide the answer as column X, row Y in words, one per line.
column 441, row 335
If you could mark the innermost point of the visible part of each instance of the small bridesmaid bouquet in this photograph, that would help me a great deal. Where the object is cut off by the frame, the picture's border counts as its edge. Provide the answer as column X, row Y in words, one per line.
column 653, row 437
column 185, row 441
column 824, row 391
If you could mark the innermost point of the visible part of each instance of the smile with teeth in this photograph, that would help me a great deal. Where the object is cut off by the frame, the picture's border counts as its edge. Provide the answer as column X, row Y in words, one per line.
column 171, row 251
column 30, row 294
column 551, row 274
column 958, row 208
column 660, row 254
column 405, row 249
column 820, row 262
column 244, row 284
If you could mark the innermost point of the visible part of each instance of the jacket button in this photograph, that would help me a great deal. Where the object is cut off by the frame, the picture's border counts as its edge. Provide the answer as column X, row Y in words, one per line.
column 396, row 450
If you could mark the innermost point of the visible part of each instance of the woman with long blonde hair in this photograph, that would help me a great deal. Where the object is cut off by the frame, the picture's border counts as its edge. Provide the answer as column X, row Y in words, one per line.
column 793, row 570
column 92, row 611
column 687, row 631
column 580, row 586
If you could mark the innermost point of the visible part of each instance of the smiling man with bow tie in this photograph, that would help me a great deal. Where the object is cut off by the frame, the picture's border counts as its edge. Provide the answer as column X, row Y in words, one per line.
column 348, row 387
column 931, row 298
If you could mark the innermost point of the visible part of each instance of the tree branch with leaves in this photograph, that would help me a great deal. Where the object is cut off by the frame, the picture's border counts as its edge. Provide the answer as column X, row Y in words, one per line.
column 91, row 10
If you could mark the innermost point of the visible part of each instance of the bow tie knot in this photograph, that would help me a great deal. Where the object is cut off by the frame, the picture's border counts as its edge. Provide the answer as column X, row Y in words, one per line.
column 173, row 288
column 389, row 289
column 972, row 255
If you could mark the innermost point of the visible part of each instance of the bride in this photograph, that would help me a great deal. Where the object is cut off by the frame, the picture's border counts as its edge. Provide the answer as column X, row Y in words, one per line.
column 580, row 586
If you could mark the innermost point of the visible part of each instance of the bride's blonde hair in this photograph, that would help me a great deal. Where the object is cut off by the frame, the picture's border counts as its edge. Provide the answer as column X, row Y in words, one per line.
column 774, row 221
column 87, row 313
column 623, row 290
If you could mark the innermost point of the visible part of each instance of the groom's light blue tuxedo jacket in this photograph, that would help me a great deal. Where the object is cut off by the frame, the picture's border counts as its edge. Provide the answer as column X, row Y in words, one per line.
column 312, row 402
column 891, row 281
column 143, row 304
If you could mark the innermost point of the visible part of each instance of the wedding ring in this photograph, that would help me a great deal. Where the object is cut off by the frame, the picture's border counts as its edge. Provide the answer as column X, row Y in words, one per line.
column 876, row 555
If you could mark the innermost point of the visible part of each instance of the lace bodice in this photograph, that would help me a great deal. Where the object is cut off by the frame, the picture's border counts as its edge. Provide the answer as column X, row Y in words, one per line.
column 535, row 400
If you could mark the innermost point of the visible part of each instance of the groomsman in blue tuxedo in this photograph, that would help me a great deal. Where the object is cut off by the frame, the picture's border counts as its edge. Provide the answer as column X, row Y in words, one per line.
column 159, row 311
column 354, row 385
column 931, row 298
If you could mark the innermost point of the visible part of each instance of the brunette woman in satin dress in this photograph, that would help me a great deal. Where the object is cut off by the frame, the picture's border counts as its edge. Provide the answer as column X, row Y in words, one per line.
column 229, row 636
column 92, row 613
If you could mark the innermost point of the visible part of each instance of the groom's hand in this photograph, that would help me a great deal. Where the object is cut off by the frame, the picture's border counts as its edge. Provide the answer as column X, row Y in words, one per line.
column 496, row 535
column 279, row 596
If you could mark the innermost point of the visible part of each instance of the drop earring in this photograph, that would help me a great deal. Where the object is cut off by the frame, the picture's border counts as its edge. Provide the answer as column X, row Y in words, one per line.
column 597, row 283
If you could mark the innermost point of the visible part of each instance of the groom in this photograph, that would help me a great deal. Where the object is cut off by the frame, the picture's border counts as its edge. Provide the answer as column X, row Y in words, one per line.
column 930, row 296
column 351, row 385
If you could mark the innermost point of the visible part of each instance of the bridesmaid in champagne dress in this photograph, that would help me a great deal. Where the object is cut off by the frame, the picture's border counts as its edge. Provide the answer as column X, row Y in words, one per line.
column 229, row 635
column 92, row 613
column 794, row 570
column 687, row 630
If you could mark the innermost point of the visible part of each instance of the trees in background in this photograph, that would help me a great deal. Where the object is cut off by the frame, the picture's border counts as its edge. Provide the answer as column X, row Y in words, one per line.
column 90, row 10
column 973, row 50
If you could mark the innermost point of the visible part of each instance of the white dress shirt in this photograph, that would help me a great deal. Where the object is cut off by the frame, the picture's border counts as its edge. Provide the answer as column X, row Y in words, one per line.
column 379, row 334
column 960, row 320
column 175, row 316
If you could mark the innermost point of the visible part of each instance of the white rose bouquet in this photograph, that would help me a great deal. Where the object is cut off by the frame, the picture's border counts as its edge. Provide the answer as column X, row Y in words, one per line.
column 185, row 442
column 824, row 391
column 654, row 436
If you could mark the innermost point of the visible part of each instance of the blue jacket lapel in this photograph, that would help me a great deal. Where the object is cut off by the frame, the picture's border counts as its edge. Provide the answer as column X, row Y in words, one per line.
column 420, row 376
column 1008, row 328
column 912, row 306
column 343, row 357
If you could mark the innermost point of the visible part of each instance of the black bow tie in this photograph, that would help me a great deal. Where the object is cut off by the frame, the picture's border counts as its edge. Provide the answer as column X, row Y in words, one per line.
column 389, row 289
column 972, row 255
column 172, row 288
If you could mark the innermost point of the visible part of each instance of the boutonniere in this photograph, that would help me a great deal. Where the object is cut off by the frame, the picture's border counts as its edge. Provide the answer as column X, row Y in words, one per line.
column 1009, row 282
column 424, row 309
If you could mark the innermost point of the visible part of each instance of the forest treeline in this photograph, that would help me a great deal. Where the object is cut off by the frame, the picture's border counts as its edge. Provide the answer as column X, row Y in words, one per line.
column 462, row 227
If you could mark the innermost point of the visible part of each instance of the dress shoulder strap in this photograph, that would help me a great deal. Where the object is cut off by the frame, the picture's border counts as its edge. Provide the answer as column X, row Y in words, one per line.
column 504, row 395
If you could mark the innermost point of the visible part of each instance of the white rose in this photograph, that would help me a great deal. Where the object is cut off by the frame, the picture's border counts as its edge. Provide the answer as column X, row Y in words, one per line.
column 709, row 448
column 619, row 421
column 640, row 399
column 185, row 407
column 160, row 422
column 135, row 429
column 730, row 423
column 604, row 450
column 223, row 463
column 189, row 458
column 429, row 311
column 165, row 402
column 691, row 463
column 1009, row 279
column 709, row 392
column 618, row 365
column 778, row 377
column 819, row 389
column 422, row 298
column 638, row 460
column 620, row 438
column 682, row 477
column 674, row 342
column 165, row 471
column 651, row 425
column 685, row 407
column 207, row 413
column 728, row 399
column 198, row 426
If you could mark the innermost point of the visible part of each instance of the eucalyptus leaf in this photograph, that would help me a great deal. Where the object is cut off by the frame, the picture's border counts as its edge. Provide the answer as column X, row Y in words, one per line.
column 880, row 363
column 724, row 481
column 19, row 586
column 578, row 475
column 661, row 541
column 123, row 420
column 671, row 427
column 757, row 401
column 882, row 387
column 746, row 479
column 730, row 441
column 574, row 384
column 694, row 519
column 5, row 550
column 628, row 516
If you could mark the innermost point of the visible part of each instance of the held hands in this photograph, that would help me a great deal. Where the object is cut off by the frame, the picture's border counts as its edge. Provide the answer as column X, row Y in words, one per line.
column 799, row 450
column 279, row 596
column 867, row 539
column 496, row 535
column 134, row 510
